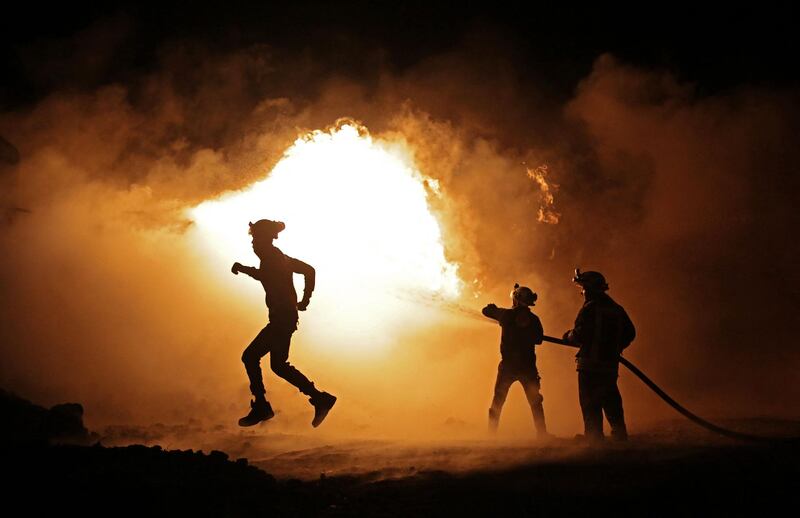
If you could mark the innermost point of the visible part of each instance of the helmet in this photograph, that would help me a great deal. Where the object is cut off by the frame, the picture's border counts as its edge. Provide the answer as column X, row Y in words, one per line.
column 590, row 281
column 523, row 296
column 266, row 228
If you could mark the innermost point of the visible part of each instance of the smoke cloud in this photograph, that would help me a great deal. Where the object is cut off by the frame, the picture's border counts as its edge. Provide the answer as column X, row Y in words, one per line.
column 681, row 200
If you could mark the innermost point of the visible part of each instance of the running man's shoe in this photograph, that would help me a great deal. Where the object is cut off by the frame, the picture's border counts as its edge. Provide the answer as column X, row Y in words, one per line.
column 323, row 402
column 258, row 412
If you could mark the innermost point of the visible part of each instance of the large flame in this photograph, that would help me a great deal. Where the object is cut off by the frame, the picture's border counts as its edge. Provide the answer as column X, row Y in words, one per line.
column 356, row 209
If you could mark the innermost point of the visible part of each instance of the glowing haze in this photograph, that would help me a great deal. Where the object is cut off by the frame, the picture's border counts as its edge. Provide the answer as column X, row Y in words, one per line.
column 356, row 209
column 113, row 299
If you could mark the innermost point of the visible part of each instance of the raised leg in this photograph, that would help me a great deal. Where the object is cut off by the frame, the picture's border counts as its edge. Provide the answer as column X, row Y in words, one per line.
column 251, row 357
column 280, row 338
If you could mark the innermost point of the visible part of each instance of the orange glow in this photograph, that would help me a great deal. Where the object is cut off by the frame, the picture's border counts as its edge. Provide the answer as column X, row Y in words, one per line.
column 355, row 208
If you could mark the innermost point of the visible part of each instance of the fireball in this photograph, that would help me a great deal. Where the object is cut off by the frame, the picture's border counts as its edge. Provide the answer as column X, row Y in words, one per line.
column 356, row 209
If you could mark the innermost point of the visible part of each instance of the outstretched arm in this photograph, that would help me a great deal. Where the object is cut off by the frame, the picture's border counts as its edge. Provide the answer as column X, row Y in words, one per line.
column 309, row 274
column 248, row 270
column 491, row 311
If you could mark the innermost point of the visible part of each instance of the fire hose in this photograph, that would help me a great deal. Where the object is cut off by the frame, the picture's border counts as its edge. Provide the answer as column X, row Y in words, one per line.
column 471, row 313
column 467, row 312
column 674, row 404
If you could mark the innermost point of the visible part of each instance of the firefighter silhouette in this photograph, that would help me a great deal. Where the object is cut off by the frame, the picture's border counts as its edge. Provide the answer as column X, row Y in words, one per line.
column 521, row 331
column 602, row 330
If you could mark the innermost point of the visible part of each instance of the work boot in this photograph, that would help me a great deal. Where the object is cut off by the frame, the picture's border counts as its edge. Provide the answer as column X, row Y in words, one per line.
column 323, row 402
column 588, row 439
column 494, row 421
column 619, row 435
column 260, row 410
column 541, row 428
column 544, row 436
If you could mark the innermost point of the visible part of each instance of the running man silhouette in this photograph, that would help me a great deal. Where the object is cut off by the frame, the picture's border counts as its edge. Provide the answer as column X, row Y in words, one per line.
column 275, row 274
column 521, row 332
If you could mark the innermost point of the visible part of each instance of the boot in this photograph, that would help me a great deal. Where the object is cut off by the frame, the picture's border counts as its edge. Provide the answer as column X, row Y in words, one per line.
column 619, row 434
column 260, row 410
column 494, row 422
column 322, row 402
column 544, row 436
column 588, row 439
column 541, row 427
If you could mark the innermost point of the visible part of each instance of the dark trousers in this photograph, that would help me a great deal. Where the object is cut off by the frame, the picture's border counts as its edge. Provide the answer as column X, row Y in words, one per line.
column 274, row 339
column 529, row 378
column 598, row 393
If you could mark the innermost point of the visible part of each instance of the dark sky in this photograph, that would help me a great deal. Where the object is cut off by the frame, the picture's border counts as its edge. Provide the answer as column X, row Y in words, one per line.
column 714, row 48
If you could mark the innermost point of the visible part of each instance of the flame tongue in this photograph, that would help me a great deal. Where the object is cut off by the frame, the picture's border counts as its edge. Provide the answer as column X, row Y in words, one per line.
column 547, row 213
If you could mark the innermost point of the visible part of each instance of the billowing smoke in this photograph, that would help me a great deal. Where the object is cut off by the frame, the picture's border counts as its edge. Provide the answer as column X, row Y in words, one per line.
column 682, row 201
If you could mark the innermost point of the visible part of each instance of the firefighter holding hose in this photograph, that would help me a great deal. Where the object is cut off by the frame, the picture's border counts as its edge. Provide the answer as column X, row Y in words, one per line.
column 521, row 332
column 602, row 331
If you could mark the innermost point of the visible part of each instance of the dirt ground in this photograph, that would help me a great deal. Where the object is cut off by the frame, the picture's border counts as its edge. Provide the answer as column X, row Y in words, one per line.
column 675, row 468
column 192, row 470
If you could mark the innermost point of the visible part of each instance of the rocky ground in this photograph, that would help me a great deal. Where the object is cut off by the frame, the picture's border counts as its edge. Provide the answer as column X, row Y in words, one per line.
column 676, row 471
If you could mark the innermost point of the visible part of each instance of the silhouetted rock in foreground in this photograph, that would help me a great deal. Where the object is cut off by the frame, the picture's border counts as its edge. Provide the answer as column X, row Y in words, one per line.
column 639, row 479
column 24, row 421
column 147, row 481
column 140, row 480
column 44, row 476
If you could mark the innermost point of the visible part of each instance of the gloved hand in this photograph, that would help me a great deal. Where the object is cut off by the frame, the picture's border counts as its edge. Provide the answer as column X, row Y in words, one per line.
column 303, row 305
column 236, row 268
column 567, row 337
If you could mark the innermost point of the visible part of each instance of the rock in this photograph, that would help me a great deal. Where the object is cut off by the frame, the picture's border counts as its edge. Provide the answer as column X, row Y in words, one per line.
column 24, row 421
